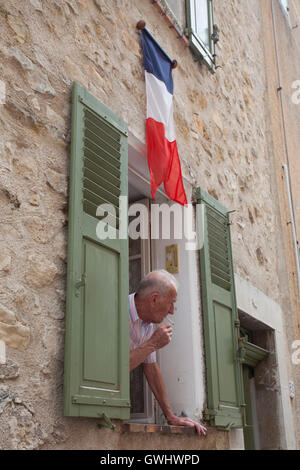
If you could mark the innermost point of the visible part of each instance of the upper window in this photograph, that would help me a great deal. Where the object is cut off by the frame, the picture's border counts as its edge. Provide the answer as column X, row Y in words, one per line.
column 177, row 8
column 285, row 6
column 201, row 30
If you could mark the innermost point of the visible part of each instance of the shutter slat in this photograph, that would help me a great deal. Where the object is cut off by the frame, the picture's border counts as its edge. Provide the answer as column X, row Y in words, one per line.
column 223, row 260
column 217, row 241
column 102, row 168
column 97, row 200
column 91, row 209
column 223, row 264
column 220, row 282
column 103, row 125
column 100, row 191
column 102, row 180
column 103, row 146
column 102, row 151
column 96, row 128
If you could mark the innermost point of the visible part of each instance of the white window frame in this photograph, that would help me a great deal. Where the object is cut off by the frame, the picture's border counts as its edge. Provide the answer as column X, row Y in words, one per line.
column 182, row 361
column 206, row 54
column 148, row 416
column 285, row 6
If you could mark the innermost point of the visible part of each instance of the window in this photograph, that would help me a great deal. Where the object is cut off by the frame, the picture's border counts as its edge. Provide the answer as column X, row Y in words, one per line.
column 141, row 397
column 285, row 6
column 96, row 382
column 177, row 7
column 201, row 30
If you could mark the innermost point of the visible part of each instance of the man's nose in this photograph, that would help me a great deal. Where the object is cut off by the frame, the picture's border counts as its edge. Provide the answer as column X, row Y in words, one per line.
column 171, row 310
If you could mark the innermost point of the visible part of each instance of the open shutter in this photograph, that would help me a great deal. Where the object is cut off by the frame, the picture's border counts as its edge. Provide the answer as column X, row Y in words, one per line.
column 221, row 325
column 96, row 377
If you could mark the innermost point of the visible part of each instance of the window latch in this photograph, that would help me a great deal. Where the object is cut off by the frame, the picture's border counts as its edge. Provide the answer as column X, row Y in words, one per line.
column 80, row 283
column 215, row 34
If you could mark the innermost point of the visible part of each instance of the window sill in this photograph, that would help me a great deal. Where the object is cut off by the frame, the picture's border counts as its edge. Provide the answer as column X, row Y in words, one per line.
column 150, row 428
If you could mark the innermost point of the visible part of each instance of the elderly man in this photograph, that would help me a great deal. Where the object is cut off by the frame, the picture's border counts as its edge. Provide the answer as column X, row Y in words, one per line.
column 152, row 302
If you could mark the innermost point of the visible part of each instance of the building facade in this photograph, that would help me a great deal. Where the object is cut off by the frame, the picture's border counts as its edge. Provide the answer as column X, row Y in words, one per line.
column 73, row 107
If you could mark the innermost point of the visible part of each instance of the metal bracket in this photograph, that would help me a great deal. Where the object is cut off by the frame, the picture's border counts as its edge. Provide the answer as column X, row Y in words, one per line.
column 108, row 423
column 229, row 426
column 80, row 283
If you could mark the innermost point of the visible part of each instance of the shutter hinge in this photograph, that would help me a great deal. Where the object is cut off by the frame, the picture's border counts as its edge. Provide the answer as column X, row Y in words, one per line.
column 107, row 421
column 229, row 426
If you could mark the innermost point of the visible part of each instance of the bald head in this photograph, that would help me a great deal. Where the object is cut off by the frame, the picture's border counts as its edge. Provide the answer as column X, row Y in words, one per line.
column 157, row 281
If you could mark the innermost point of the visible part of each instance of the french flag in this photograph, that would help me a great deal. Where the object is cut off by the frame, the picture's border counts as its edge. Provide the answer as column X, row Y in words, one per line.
column 162, row 152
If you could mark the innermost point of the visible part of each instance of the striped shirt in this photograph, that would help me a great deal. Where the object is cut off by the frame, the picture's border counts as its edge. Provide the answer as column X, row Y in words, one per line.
column 139, row 330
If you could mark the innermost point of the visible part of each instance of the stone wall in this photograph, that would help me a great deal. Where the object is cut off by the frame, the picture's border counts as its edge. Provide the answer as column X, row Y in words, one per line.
column 221, row 130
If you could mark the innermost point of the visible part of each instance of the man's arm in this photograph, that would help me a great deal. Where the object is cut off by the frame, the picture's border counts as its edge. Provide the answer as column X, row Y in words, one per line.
column 159, row 339
column 156, row 383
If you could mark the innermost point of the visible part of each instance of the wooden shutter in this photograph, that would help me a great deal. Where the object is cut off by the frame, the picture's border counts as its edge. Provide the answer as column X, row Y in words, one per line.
column 96, row 377
column 221, row 326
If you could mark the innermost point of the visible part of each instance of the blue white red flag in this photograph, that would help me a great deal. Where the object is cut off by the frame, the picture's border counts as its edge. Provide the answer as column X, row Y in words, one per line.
column 162, row 152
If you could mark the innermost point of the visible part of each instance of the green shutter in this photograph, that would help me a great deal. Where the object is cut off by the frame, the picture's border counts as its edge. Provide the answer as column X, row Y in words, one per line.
column 221, row 326
column 96, row 376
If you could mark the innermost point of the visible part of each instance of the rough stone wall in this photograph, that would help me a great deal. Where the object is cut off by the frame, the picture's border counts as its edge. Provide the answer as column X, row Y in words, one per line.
column 221, row 131
column 284, row 113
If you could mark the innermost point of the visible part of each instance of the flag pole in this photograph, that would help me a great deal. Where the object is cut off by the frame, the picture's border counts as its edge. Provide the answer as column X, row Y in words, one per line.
column 142, row 25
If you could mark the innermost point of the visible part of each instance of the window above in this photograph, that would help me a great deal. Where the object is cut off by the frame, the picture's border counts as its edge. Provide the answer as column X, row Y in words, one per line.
column 201, row 30
column 285, row 6
column 177, row 8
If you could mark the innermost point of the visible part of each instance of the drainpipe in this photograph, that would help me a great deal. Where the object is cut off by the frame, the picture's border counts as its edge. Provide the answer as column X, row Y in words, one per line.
column 286, row 167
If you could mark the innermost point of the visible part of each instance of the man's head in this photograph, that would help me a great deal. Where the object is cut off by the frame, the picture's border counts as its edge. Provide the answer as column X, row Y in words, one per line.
column 155, row 296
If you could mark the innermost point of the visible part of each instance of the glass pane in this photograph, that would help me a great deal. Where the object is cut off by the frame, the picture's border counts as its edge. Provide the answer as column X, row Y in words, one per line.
column 202, row 29
column 134, row 274
column 137, row 390
column 134, row 247
column 177, row 8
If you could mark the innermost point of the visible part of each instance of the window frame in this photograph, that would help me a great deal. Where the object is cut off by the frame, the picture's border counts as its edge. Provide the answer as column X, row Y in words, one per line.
column 207, row 55
column 285, row 6
column 148, row 415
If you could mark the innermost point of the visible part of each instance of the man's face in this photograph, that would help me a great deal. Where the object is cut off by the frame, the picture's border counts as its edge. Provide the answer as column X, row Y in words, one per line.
column 162, row 305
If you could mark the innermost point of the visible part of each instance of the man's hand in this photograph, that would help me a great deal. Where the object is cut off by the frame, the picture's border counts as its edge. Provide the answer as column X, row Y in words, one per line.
column 162, row 336
column 176, row 421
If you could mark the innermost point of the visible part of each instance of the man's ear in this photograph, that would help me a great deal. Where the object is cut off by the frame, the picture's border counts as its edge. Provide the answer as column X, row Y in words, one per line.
column 154, row 298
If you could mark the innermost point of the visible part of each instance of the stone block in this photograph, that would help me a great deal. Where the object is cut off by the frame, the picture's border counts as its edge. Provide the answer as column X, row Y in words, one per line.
column 2, row 92
column 40, row 82
column 19, row 28
column 40, row 271
column 20, row 57
column 9, row 370
column 7, row 316
column 16, row 336
column 26, row 167
column 37, row 5
column 5, row 260
column 57, row 181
